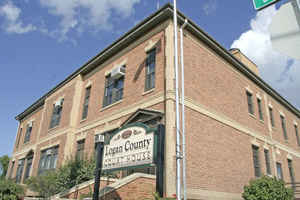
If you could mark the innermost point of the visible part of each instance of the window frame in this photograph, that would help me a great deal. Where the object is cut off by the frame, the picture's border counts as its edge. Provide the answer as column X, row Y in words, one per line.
column 19, row 137
column 271, row 117
column 56, row 114
column 297, row 134
column 28, row 133
column 291, row 172
column 20, row 170
column 28, row 167
column 86, row 102
column 80, row 149
column 250, row 102
column 283, row 126
column 279, row 171
column 48, row 161
column 150, row 73
column 256, row 161
column 268, row 162
column 260, row 111
column 114, row 89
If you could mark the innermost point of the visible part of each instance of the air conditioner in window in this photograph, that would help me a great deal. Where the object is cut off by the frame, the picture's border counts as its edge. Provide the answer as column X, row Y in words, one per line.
column 118, row 72
column 49, row 152
column 99, row 138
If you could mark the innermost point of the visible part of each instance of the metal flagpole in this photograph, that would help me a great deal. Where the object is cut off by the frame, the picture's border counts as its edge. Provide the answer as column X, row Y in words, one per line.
column 182, row 112
column 178, row 156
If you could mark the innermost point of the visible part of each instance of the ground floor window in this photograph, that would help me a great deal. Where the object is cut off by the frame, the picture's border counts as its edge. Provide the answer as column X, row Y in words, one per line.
column 48, row 159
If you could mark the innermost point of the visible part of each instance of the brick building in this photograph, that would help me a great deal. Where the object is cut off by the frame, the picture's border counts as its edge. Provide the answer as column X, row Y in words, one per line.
column 237, row 126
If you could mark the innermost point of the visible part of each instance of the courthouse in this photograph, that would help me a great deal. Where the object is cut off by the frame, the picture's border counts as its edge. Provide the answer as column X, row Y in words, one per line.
column 237, row 126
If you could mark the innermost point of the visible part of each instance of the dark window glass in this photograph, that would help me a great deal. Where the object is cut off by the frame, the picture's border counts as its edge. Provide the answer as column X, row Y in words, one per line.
column 297, row 135
column 261, row 117
column 86, row 102
column 279, row 171
column 267, row 158
column 271, row 117
column 48, row 159
column 283, row 127
column 291, row 171
column 28, row 133
column 250, row 103
column 113, row 90
column 28, row 167
column 19, row 137
column 150, row 70
column 256, row 163
column 56, row 114
column 11, row 169
column 80, row 149
column 20, row 171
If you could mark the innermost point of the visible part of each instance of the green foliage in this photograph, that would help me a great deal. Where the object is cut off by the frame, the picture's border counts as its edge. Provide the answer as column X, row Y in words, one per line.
column 267, row 188
column 10, row 190
column 72, row 173
column 4, row 162
column 157, row 197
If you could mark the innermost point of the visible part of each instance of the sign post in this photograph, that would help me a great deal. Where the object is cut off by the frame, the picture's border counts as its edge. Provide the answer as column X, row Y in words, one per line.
column 261, row 4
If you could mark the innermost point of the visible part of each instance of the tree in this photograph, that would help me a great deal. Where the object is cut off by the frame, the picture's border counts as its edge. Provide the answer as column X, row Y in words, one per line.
column 4, row 162
column 10, row 190
column 267, row 188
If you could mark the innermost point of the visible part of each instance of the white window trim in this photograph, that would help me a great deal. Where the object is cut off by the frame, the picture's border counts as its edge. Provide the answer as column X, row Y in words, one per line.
column 281, row 113
column 249, row 90
column 258, row 96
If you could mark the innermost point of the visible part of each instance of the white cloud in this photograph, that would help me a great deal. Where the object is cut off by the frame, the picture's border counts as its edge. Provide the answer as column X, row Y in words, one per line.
column 13, row 23
column 210, row 7
column 80, row 14
column 280, row 71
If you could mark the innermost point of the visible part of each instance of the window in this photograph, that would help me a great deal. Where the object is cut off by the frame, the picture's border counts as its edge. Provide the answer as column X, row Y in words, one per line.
column 28, row 167
column 257, row 171
column 86, row 102
column 271, row 117
column 297, row 134
column 261, row 117
column 279, row 171
column 20, row 171
column 48, row 159
column 250, row 103
column 80, row 149
column 11, row 169
column 291, row 171
column 28, row 132
column 150, row 70
column 113, row 89
column 283, row 127
column 56, row 114
column 19, row 137
column 267, row 158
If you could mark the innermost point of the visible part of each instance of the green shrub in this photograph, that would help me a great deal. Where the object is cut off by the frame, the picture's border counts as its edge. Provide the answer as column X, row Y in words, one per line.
column 10, row 190
column 267, row 188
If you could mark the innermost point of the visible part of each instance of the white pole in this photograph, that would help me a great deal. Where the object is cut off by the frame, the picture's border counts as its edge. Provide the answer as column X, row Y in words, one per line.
column 178, row 156
column 182, row 112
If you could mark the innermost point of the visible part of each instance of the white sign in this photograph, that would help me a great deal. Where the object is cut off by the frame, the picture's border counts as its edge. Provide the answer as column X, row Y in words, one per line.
column 132, row 146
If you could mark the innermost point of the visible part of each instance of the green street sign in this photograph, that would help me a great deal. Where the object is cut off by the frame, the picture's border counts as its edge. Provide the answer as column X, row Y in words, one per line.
column 260, row 4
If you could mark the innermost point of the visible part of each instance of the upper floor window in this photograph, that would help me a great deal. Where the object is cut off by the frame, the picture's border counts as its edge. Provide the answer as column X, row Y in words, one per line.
column 86, row 102
column 20, row 171
column 150, row 70
column 297, row 134
column 250, row 103
column 260, row 111
column 257, row 170
column 283, row 127
column 271, row 117
column 28, row 132
column 48, row 159
column 279, row 171
column 56, row 114
column 80, row 149
column 114, row 85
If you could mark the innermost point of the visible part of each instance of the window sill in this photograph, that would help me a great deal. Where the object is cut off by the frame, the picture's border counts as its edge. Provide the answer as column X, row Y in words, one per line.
column 262, row 121
column 148, row 91
column 252, row 115
column 53, row 128
column 83, row 120
column 111, row 105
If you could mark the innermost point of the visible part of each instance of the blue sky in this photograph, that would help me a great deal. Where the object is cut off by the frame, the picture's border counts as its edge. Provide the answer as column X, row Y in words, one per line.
column 44, row 41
